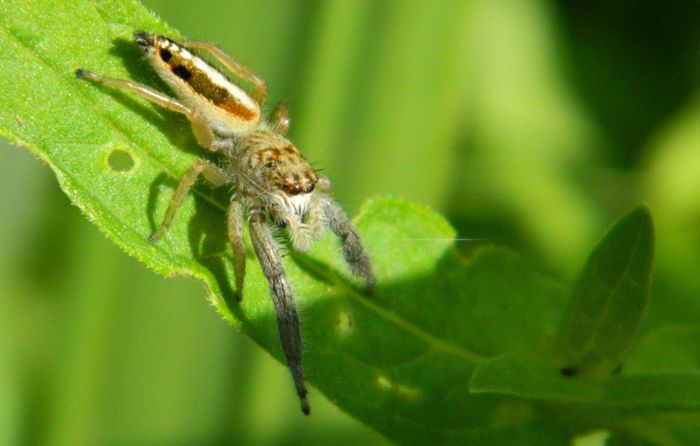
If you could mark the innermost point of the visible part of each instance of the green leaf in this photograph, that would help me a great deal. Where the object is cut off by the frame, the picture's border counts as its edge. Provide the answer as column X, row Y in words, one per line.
column 525, row 375
column 668, row 348
column 529, row 377
column 661, row 390
column 608, row 303
column 399, row 360
column 416, row 342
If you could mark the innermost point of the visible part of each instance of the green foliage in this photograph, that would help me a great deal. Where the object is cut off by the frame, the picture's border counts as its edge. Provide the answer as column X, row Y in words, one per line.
column 610, row 297
column 448, row 349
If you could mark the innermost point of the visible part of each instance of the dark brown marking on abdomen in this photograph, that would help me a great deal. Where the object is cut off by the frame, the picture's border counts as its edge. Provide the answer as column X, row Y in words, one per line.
column 182, row 72
column 201, row 84
column 165, row 55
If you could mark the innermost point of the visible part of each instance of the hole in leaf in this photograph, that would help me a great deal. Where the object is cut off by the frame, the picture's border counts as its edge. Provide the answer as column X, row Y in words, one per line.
column 568, row 371
column 120, row 161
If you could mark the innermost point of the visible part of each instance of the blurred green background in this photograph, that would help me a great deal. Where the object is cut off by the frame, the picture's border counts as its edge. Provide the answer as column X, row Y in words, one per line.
column 528, row 123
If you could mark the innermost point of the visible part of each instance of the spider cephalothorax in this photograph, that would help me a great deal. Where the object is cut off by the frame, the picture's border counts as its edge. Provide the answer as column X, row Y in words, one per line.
column 275, row 164
column 273, row 183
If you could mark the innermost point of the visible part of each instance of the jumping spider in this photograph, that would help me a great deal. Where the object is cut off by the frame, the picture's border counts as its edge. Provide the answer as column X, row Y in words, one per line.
column 272, row 181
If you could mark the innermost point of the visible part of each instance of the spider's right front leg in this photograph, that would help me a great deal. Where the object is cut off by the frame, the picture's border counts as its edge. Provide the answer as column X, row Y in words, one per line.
column 283, row 300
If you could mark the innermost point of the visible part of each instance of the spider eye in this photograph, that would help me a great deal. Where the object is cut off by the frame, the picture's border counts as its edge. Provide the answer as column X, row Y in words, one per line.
column 271, row 164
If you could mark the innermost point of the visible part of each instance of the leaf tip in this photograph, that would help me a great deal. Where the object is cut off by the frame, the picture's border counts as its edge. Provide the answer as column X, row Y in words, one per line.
column 640, row 215
column 609, row 299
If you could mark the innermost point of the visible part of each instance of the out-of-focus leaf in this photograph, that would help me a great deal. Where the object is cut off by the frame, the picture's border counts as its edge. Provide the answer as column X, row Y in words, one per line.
column 525, row 375
column 384, row 85
column 671, row 180
column 668, row 348
column 525, row 131
column 662, row 390
column 608, row 302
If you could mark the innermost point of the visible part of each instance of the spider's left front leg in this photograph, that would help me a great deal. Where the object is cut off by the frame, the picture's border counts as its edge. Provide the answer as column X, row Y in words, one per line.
column 235, row 238
column 282, row 298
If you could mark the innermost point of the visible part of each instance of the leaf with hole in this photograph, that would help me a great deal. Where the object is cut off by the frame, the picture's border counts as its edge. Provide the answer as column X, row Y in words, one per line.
column 446, row 351
column 400, row 360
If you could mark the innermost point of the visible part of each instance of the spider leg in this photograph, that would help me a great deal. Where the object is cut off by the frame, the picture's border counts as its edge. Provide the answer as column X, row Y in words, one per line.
column 201, row 131
column 213, row 174
column 324, row 185
column 235, row 237
column 240, row 70
column 283, row 300
column 353, row 250
column 315, row 218
column 299, row 234
column 138, row 89
column 280, row 119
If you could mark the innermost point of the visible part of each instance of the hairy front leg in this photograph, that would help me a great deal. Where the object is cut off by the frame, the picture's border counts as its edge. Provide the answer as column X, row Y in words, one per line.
column 353, row 250
column 235, row 237
column 283, row 300
column 213, row 174
column 299, row 234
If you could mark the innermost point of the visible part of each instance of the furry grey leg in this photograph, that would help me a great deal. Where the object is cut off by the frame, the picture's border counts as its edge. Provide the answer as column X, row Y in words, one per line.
column 283, row 300
column 354, row 251
column 235, row 237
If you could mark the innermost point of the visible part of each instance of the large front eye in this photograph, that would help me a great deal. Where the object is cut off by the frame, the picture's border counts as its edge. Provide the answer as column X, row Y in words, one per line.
column 270, row 164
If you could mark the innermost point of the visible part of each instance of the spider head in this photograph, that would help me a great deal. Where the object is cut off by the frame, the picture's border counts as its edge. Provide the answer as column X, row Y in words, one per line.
column 286, row 170
column 146, row 40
